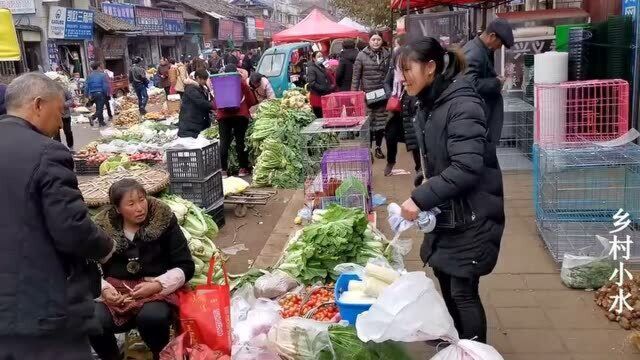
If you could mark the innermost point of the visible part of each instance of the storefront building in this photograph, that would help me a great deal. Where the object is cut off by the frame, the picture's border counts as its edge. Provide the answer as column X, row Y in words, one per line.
column 70, row 45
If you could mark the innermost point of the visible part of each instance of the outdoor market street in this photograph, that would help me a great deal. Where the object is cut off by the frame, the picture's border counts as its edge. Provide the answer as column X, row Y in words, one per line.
column 531, row 315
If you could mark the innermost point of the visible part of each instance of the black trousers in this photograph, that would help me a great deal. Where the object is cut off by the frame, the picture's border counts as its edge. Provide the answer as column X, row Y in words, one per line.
column 377, row 136
column 167, row 90
column 317, row 111
column 99, row 98
column 233, row 127
column 153, row 322
column 394, row 134
column 463, row 302
column 68, row 134
column 51, row 347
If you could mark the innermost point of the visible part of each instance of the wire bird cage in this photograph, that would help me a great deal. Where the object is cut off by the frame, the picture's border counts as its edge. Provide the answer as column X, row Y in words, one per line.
column 579, row 238
column 587, row 184
column 581, row 112
column 343, row 109
column 450, row 27
column 514, row 148
column 316, row 139
column 345, row 178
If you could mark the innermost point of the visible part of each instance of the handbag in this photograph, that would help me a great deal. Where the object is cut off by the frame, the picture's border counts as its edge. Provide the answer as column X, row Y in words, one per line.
column 394, row 104
column 205, row 313
column 375, row 96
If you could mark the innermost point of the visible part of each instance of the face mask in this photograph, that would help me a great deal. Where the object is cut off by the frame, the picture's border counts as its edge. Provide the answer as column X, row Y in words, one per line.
column 319, row 61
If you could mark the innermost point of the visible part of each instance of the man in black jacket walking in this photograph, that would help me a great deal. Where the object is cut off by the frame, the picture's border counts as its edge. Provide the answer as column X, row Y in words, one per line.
column 46, row 234
column 344, row 73
column 481, row 73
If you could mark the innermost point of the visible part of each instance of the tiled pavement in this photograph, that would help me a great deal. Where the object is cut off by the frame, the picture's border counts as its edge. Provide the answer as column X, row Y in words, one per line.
column 531, row 315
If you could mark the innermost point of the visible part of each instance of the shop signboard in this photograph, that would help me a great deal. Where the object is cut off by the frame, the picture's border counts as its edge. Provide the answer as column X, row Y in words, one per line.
column 251, row 28
column 450, row 27
column 149, row 20
column 225, row 29
column 124, row 12
column 19, row 6
column 113, row 47
column 53, row 55
column 71, row 24
column 238, row 31
column 173, row 22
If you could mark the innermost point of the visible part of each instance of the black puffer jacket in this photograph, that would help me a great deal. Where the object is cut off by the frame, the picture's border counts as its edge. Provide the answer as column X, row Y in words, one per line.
column 481, row 73
column 463, row 175
column 162, row 245
column 408, row 114
column 370, row 69
column 318, row 80
column 194, row 111
column 46, row 235
column 344, row 73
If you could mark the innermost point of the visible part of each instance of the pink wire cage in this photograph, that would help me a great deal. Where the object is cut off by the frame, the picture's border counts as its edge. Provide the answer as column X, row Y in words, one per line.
column 580, row 112
column 345, row 108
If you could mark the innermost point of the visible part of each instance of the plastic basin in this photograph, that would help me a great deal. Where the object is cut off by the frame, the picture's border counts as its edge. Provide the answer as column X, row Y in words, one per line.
column 348, row 312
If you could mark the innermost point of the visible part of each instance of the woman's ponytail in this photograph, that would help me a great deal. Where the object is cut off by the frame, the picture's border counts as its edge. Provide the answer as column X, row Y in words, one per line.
column 456, row 62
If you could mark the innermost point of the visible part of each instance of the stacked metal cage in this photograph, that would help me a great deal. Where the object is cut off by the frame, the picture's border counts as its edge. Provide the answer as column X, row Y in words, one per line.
column 344, row 178
column 514, row 148
column 579, row 181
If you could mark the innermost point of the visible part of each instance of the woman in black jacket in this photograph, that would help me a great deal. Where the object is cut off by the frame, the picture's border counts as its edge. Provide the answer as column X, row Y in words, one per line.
column 463, row 181
column 196, row 106
column 318, row 82
column 151, row 261
column 400, row 126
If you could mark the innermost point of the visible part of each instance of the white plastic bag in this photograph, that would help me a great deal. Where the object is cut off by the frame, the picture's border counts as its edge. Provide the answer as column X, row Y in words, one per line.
column 275, row 284
column 588, row 272
column 420, row 314
column 300, row 339
column 468, row 350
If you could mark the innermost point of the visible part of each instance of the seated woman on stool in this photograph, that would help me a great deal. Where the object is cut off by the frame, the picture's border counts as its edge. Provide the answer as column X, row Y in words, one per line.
column 151, row 261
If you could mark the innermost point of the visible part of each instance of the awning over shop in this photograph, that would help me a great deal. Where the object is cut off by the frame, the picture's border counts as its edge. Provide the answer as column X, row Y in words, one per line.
column 215, row 15
column 9, row 47
column 316, row 27
column 109, row 23
column 354, row 24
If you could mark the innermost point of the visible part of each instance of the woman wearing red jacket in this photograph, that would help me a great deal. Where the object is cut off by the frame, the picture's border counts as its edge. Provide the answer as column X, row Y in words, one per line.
column 233, row 124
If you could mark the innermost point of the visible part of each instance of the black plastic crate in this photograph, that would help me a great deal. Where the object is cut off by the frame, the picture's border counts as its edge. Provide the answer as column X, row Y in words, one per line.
column 82, row 167
column 217, row 213
column 203, row 193
column 193, row 164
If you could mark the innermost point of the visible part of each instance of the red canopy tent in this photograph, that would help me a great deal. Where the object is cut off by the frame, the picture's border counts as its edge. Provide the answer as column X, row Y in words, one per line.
column 316, row 27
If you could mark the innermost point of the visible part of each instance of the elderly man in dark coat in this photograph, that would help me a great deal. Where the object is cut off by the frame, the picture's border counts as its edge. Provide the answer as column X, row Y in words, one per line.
column 481, row 73
column 46, row 234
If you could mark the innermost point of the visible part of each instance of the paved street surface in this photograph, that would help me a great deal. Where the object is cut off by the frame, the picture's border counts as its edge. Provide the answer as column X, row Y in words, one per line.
column 531, row 315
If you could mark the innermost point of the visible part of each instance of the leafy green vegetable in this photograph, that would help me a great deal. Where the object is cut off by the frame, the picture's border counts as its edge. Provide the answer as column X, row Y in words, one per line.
column 337, row 238
column 351, row 186
column 347, row 346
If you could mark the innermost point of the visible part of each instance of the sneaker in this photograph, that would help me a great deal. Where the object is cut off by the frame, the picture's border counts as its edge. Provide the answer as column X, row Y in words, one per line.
column 91, row 122
column 224, row 174
column 388, row 169
column 102, row 124
column 243, row 173
column 379, row 154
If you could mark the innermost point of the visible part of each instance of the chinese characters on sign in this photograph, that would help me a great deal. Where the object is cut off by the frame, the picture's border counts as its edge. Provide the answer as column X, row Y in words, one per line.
column 149, row 20
column 67, row 23
column 173, row 22
column 123, row 12
column 514, row 59
column 620, row 250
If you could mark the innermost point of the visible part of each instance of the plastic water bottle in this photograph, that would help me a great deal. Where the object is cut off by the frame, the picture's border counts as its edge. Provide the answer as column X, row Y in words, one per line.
column 427, row 220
